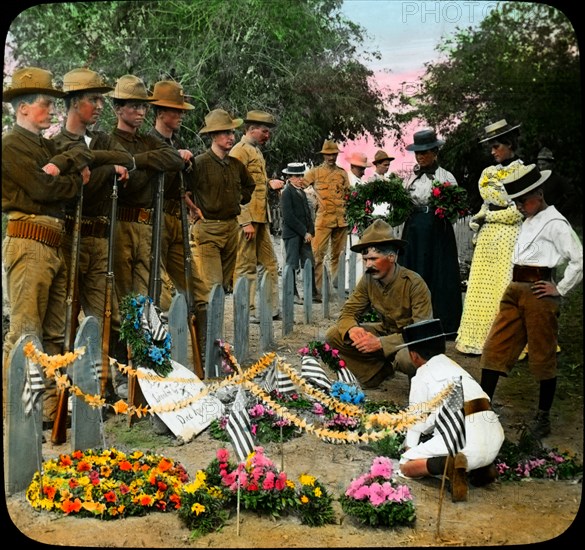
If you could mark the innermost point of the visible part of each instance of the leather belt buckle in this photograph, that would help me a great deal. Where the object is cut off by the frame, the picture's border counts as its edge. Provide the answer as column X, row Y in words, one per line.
column 143, row 216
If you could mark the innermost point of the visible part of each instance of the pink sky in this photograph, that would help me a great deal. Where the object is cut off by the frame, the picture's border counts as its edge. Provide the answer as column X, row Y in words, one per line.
column 404, row 160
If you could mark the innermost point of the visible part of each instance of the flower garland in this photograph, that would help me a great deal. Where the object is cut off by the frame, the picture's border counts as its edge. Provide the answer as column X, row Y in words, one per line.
column 450, row 202
column 375, row 499
column 107, row 484
column 146, row 352
column 360, row 203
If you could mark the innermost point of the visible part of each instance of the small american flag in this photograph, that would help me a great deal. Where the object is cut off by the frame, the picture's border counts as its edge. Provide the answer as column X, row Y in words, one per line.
column 238, row 427
column 34, row 386
column 347, row 377
column 152, row 323
column 313, row 373
column 450, row 421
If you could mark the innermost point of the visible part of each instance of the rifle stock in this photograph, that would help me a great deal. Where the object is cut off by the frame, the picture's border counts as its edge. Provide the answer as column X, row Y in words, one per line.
column 59, row 432
column 191, row 318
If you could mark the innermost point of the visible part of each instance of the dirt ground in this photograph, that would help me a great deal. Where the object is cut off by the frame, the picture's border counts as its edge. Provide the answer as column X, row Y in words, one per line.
column 505, row 513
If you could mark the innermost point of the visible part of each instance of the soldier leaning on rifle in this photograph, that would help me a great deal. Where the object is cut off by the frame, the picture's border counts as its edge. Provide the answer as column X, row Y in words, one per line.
column 169, row 108
column 84, row 103
column 37, row 180
column 136, row 196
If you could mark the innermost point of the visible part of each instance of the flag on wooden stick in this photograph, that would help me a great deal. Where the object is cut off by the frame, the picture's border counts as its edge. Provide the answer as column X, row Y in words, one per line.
column 34, row 386
column 450, row 421
column 238, row 427
column 313, row 373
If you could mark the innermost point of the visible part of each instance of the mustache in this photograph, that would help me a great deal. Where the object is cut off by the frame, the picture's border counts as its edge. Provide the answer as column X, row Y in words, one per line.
column 371, row 270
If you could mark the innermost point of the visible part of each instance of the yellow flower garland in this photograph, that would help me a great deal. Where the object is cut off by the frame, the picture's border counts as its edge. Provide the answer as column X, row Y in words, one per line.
column 386, row 422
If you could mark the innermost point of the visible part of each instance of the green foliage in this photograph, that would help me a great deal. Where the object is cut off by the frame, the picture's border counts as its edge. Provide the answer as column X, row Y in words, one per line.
column 298, row 60
column 390, row 514
column 390, row 446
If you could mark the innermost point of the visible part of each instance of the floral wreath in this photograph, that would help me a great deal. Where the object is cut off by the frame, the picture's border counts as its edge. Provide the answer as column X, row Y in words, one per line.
column 146, row 352
column 360, row 203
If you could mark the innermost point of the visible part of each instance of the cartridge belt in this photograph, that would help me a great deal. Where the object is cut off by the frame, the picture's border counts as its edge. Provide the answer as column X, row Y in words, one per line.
column 22, row 229
column 90, row 227
column 137, row 215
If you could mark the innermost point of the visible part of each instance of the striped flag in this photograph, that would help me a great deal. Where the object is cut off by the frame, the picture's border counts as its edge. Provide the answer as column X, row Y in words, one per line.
column 151, row 322
column 277, row 380
column 450, row 421
column 313, row 373
column 346, row 376
column 238, row 427
column 34, row 386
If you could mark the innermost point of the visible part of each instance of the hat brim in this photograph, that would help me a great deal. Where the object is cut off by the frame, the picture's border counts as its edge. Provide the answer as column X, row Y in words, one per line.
column 129, row 97
column 382, row 160
column 11, row 93
column 362, row 246
column 285, row 171
column 544, row 175
column 171, row 105
column 425, row 146
column 420, row 340
column 502, row 133
column 260, row 122
column 98, row 90
column 236, row 123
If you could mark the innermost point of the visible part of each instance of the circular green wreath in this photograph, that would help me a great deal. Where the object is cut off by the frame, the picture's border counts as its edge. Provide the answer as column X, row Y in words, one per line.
column 363, row 198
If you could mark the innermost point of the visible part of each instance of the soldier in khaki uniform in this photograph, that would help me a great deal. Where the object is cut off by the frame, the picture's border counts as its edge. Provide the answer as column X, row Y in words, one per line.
column 135, row 212
column 37, row 181
column 372, row 351
column 255, row 243
column 84, row 103
column 331, row 185
column 169, row 107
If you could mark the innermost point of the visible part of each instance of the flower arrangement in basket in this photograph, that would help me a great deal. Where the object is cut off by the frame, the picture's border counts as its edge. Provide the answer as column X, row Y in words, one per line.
column 449, row 202
column 107, row 484
column 376, row 500
column 146, row 351
column 361, row 201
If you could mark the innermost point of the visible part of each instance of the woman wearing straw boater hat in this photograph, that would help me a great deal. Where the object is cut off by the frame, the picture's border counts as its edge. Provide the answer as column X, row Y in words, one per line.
column 529, row 308
column 400, row 297
column 37, row 181
column 298, row 227
column 84, row 103
column 381, row 162
column 430, row 456
column 255, row 248
column 432, row 248
column 331, row 185
column 221, row 184
column 136, row 197
column 496, row 228
column 169, row 109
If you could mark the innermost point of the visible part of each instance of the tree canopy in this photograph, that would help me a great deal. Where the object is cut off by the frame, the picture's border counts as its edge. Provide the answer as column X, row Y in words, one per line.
column 522, row 63
column 298, row 60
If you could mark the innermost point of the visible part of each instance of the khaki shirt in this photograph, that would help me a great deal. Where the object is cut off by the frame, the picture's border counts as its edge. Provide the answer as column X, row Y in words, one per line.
column 406, row 299
column 97, row 194
column 25, row 187
column 331, row 189
column 252, row 158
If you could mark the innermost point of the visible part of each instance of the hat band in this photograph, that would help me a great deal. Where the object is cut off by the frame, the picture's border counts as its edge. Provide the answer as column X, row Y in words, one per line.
column 517, row 186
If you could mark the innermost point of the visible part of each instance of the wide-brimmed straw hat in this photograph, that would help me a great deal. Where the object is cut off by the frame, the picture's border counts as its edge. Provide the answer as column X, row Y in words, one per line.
column 423, row 331
column 295, row 169
column 424, row 140
column 84, row 81
column 359, row 159
column 329, row 148
column 524, row 179
column 382, row 155
column 219, row 120
column 130, row 87
column 168, row 93
column 378, row 233
column 497, row 129
column 260, row 117
column 31, row 80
